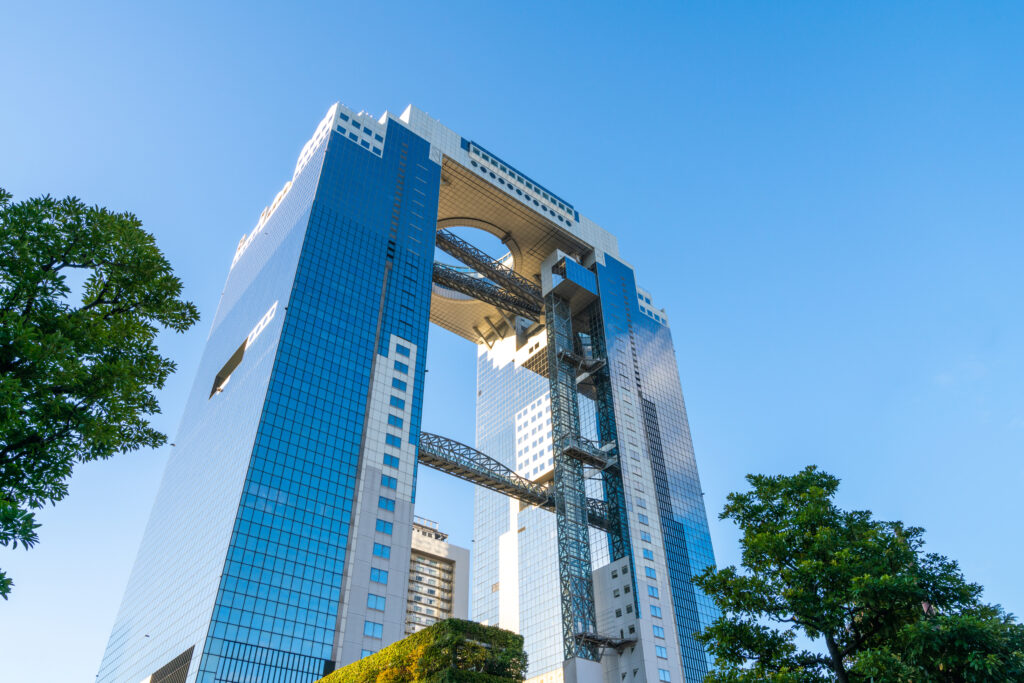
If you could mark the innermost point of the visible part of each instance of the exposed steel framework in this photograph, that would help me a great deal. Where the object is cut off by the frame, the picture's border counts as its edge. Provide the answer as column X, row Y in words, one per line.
column 572, row 366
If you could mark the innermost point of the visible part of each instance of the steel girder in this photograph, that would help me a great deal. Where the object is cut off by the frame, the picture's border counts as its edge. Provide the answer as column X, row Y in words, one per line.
column 470, row 464
column 574, row 565
column 481, row 289
column 458, row 459
column 498, row 272
column 618, row 524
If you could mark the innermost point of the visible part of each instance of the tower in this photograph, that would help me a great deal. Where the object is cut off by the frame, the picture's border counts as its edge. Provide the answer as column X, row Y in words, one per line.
column 279, row 543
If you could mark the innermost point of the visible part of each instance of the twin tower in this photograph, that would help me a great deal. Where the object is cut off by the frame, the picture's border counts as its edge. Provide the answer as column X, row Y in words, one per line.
column 278, row 546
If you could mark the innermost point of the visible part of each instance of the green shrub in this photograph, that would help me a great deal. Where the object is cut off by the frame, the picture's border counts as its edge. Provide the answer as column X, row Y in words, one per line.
column 450, row 651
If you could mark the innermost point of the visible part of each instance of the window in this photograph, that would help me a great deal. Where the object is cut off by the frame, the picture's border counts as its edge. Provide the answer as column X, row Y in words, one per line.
column 386, row 503
column 661, row 651
column 652, row 591
column 398, row 384
column 381, row 550
column 379, row 575
column 401, row 367
column 655, row 611
column 393, row 440
column 395, row 421
column 648, row 554
column 651, row 574
column 659, row 632
column 385, row 527
column 366, row 653
column 643, row 518
column 641, row 503
column 397, row 403
column 402, row 350
column 644, row 536
column 389, row 482
column 664, row 675
column 391, row 461
column 375, row 602
column 373, row 630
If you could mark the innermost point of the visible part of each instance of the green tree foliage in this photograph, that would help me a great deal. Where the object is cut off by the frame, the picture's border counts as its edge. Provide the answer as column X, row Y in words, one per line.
column 450, row 651
column 83, row 295
column 862, row 590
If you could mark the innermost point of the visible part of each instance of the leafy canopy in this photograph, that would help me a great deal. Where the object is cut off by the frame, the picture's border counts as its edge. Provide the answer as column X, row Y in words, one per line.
column 860, row 589
column 83, row 295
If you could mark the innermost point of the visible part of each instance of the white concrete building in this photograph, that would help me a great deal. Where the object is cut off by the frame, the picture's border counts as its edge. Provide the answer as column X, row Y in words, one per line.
column 438, row 578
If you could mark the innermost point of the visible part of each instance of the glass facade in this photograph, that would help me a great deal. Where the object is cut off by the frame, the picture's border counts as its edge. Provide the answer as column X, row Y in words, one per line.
column 665, row 510
column 243, row 559
column 659, row 467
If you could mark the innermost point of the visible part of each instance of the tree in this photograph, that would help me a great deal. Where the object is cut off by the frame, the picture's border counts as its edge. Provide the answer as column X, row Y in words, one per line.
column 859, row 588
column 83, row 295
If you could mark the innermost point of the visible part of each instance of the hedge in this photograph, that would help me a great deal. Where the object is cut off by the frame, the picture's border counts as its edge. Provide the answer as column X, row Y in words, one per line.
column 450, row 651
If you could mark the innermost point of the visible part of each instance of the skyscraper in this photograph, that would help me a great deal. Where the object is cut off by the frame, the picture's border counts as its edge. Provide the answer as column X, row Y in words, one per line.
column 279, row 544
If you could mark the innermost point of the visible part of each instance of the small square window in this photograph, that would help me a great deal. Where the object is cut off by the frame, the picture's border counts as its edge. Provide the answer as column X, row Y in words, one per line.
column 401, row 367
column 402, row 350
column 397, row 403
column 398, row 384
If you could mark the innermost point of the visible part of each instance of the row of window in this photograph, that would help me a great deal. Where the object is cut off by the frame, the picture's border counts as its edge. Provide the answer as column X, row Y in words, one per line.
column 373, row 629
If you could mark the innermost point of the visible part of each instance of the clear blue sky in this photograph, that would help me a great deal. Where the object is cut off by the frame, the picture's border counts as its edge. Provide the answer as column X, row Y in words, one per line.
column 827, row 198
